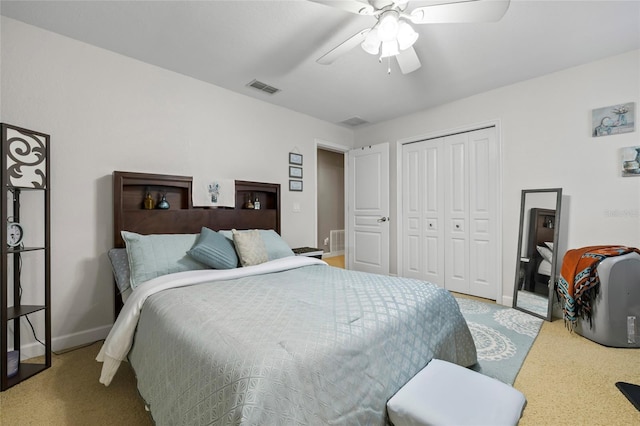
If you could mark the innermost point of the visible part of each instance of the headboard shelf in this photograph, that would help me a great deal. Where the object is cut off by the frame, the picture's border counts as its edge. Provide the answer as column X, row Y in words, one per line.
column 131, row 189
column 129, row 214
column 266, row 193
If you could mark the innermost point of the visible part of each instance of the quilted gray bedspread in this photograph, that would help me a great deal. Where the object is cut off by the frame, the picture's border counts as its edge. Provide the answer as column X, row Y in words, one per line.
column 315, row 345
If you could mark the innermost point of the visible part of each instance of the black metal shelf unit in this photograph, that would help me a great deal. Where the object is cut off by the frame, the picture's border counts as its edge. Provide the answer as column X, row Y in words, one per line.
column 25, row 181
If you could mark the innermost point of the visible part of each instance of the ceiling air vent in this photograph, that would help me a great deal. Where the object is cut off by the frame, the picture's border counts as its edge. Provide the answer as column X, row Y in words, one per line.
column 263, row 87
column 354, row 121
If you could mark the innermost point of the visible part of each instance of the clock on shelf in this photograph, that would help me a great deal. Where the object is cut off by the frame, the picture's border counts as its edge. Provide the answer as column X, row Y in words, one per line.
column 15, row 234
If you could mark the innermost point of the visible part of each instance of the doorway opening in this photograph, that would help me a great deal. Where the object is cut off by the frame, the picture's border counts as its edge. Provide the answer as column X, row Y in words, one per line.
column 331, row 205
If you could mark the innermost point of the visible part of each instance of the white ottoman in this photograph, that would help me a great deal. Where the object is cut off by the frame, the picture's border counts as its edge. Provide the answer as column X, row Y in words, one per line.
column 443, row 393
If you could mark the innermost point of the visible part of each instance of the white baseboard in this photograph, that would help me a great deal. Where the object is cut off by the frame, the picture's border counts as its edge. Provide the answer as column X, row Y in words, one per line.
column 507, row 301
column 34, row 349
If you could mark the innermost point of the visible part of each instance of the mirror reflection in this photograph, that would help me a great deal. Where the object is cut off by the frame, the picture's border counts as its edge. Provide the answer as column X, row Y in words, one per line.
column 537, row 257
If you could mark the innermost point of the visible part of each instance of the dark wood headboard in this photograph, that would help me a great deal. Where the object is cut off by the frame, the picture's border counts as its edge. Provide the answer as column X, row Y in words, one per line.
column 539, row 231
column 129, row 214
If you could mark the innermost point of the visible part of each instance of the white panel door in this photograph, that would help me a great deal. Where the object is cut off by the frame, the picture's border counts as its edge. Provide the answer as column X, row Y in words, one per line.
column 483, row 193
column 456, row 184
column 422, row 206
column 368, row 209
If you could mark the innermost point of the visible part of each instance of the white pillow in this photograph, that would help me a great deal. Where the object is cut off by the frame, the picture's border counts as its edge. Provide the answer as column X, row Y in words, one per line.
column 545, row 253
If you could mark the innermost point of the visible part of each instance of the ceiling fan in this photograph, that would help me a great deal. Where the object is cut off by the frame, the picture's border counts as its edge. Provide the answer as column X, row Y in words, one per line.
column 392, row 35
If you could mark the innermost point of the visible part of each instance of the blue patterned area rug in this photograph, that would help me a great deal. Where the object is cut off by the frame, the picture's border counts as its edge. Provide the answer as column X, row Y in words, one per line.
column 503, row 337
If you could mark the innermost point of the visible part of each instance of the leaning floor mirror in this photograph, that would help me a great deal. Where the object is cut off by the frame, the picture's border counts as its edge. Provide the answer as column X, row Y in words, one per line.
column 537, row 262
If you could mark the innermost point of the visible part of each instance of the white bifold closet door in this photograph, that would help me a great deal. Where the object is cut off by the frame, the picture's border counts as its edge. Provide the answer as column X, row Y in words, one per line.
column 449, row 210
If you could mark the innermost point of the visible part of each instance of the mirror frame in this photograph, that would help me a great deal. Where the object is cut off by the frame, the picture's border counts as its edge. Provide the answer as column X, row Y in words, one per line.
column 556, row 233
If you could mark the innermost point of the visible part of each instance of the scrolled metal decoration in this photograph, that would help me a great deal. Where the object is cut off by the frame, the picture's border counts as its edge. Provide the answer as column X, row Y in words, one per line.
column 26, row 160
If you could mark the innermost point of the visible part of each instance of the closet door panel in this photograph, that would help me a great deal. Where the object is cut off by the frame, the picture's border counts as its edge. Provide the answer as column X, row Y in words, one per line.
column 456, row 210
column 457, row 174
column 433, row 266
column 422, row 212
column 479, row 256
column 412, row 212
column 433, row 232
column 412, row 255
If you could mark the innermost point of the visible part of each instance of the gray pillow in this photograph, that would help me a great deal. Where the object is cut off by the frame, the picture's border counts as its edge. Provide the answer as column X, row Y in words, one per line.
column 214, row 250
column 120, row 268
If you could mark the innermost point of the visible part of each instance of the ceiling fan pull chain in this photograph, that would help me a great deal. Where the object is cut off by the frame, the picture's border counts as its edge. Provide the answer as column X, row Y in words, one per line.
column 389, row 65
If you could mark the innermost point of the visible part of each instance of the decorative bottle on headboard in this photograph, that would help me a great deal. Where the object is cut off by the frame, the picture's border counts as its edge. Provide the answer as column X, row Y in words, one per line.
column 149, row 203
column 163, row 204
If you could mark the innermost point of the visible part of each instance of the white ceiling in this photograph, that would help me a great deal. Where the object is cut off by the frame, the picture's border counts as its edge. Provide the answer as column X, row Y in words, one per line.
column 230, row 43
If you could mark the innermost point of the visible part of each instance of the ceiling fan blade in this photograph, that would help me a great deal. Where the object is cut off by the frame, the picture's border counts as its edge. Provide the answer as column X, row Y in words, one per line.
column 408, row 60
column 341, row 49
column 466, row 11
column 353, row 6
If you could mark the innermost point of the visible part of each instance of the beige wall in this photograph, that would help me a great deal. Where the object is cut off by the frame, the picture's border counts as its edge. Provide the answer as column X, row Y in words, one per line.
column 107, row 112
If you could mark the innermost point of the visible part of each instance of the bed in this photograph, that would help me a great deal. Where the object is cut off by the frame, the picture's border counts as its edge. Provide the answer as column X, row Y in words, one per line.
column 288, row 340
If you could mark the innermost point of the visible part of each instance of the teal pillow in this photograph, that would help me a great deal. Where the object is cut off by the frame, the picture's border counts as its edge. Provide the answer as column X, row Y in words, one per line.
column 214, row 250
column 152, row 256
column 276, row 247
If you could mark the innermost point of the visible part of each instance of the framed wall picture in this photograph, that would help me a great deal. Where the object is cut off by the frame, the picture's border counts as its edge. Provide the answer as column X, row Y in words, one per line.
column 613, row 120
column 631, row 161
column 295, row 172
column 295, row 159
column 295, row 185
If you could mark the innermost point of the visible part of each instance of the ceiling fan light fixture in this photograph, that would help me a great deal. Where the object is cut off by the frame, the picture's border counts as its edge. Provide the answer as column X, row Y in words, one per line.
column 388, row 26
column 371, row 44
column 389, row 48
column 407, row 36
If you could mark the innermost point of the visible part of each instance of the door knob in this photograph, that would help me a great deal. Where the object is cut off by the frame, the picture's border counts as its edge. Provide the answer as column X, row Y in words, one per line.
column 383, row 219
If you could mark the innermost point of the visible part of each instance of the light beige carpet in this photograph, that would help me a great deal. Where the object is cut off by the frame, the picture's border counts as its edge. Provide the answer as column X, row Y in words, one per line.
column 69, row 393
column 570, row 380
column 566, row 378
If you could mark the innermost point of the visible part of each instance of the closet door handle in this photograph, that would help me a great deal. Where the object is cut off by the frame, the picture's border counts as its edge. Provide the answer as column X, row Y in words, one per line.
column 383, row 219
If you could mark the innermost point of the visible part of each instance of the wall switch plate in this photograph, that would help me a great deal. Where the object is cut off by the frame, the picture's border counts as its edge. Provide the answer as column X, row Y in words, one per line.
column 326, row 241
column 296, row 207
